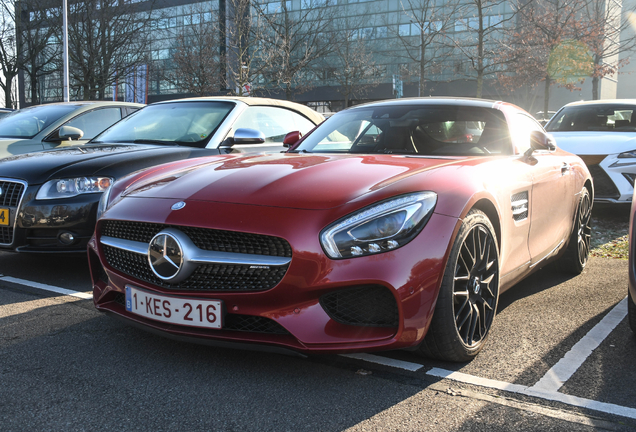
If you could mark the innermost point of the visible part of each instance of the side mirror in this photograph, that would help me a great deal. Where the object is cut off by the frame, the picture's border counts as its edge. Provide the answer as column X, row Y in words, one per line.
column 248, row 136
column 70, row 133
column 541, row 141
column 292, row 138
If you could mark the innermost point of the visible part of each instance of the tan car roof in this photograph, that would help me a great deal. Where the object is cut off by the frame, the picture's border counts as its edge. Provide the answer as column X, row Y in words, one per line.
column 312, row 115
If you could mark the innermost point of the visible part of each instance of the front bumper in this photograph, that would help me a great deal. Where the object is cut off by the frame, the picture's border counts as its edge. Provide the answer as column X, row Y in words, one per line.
column 39, row 225
column 295, row 307
column 613, row 179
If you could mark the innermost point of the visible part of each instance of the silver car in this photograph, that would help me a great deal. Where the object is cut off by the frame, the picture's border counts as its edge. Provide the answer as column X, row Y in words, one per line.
column 44, row 127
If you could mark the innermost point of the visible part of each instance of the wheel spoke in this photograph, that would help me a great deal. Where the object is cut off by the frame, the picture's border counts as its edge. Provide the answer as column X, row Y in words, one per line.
column 464, row 303
column 475, row 285
column 473, row 324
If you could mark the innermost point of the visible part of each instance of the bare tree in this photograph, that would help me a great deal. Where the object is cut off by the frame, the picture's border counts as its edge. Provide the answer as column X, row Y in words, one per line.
column 484, row 23
column 541, row 50
column 606, row 21
column 423, row 34
column 107, row 38
column 196, row 57
column 351, row 65
column 293, row 41
column 38, row 43
column 9, row 65
column 246, row 61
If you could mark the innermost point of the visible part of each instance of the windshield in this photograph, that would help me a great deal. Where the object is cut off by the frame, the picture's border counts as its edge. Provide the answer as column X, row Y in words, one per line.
column 431, row 130
column 28, row 122
column 185, row 123
column 604, row 118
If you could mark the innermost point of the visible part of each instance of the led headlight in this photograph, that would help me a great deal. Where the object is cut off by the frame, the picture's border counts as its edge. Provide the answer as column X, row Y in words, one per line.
column 379, row 228
column 70, row 187
column 629, row 154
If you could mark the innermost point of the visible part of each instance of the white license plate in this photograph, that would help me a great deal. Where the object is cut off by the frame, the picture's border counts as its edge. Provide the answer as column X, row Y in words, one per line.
column 175, row 310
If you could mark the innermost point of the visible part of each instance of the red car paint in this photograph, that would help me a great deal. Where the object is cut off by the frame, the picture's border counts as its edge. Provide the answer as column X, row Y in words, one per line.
column 294, row 196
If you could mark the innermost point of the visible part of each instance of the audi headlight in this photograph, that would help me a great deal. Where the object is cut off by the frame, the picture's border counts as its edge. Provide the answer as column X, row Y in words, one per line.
column 70, row 187
column 379, row 228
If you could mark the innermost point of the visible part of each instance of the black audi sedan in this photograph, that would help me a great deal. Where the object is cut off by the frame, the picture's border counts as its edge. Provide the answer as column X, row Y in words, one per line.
column 49, row 199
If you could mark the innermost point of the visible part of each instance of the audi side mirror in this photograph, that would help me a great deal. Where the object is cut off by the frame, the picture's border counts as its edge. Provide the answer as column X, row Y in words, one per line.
column 70, row 133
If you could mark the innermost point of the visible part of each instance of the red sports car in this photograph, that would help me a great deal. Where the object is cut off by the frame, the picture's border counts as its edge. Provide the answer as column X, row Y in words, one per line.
column 375, row 231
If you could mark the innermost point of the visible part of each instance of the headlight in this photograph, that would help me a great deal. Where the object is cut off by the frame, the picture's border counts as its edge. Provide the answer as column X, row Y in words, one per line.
column 70, row 187
column 629, row 154
column 379, row 228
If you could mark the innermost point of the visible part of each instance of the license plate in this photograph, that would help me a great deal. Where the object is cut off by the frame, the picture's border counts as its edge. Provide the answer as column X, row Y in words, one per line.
column 175, row 310
column 4, row 216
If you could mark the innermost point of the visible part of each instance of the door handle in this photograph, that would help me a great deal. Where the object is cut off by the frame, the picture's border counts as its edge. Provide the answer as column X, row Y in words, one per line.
column 565, row 168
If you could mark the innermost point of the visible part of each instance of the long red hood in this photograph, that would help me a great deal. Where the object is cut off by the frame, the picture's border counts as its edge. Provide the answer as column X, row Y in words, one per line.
column 286, row 180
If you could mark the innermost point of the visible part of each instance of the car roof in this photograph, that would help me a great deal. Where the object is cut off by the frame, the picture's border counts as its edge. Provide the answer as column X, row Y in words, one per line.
column 93, row 103
column 473, row 102
column 312, row 115
column 604, row 102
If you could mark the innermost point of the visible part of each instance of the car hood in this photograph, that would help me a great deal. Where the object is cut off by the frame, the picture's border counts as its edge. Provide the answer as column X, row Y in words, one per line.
column 595, row 143
column 112, row 160
column 287, row 180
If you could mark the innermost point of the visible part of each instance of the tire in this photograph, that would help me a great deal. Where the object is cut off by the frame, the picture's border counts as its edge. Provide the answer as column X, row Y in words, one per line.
column 577, row 253
column 467, row 300
column 631, row 311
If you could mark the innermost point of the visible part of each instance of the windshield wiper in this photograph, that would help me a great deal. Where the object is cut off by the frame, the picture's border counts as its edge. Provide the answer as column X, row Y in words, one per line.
column 299, row 151
column 152, row 141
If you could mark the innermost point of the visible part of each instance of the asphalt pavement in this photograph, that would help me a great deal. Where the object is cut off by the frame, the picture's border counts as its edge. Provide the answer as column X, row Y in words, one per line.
column 65, row 366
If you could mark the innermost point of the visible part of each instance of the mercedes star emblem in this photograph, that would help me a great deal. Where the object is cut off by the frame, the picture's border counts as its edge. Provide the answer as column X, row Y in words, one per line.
column 178, row 206
column 165, row 256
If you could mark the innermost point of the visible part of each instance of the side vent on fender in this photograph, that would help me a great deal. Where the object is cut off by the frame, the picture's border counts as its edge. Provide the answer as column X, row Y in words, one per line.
column 519, row 202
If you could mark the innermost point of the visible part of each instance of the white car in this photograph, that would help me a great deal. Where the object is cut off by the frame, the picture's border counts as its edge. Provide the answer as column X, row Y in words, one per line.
column 603, row 134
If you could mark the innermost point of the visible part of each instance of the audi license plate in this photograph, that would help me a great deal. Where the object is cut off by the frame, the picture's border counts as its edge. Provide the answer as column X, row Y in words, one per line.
column 175, row 310
column 4, row 216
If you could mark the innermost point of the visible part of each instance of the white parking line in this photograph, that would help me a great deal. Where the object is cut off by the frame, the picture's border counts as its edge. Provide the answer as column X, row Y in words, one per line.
column 46, row 287
column 554, row 379
column 529, row 391
column 546, row 388
column 385, row 361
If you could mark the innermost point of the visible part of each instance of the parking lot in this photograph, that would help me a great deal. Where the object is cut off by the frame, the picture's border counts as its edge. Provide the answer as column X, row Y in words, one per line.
column 560, row 357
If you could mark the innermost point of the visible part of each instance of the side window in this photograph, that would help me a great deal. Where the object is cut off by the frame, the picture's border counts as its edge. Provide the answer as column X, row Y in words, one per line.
column 96, row 121
column 520, row 128
column 274, row 122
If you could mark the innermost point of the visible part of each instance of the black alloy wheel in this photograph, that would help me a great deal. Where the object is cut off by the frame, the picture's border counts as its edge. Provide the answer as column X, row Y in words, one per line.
column 577, row 253
column 475, row 288
column 467, row 301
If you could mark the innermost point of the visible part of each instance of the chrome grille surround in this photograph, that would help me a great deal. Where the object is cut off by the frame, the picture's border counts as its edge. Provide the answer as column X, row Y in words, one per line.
column 12, row 194
column 204, row 270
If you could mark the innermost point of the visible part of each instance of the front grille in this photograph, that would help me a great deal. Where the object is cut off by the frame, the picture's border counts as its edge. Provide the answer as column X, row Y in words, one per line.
column 604, row 187
column 6, row 235
column 10, row 197
column 11, row 193
column 372, row 306
column 243, row 323
column 206, row 277
column 203, row 238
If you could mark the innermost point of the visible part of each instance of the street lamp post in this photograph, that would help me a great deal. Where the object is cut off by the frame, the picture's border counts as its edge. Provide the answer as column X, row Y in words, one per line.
column 65, row 48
